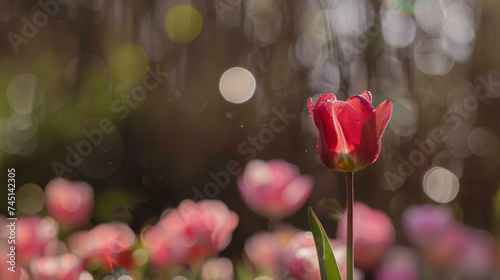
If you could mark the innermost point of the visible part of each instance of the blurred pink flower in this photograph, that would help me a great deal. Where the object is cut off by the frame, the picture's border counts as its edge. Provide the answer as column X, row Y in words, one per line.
column 464, row 252
column 65, row 267
column 70, row 203
column 445, row 248
column 265, row 249
column 300, row 259
column 399, row 263
column 477, row 260
column 274, row 189
column 19, row 274
column 35, row 237
column 155, row 242
column 448, row 244
column 424, row 223
column 373, row 235
column 111, row 243
column 191, row 232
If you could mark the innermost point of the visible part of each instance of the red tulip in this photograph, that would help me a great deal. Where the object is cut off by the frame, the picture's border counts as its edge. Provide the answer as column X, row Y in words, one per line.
column 349, row 132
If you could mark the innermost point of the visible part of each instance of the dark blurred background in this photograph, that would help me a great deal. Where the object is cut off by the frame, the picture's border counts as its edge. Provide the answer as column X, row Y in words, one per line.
column 65, row 66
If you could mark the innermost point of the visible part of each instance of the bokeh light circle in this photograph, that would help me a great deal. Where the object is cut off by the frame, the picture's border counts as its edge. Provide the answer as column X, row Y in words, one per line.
column 429, row 15
column 129, row 62
column 310, row 49
column 140, row 257
column 84, row 275
column 30, row 199
column 24, row 93
column 440, row 184
column 325, row 78
column 351, row 18
column 405, row 117
column 398, row 28
column 459, row 23
column 431, row 58
column 483, row 141
column 217, row 268
column 22, row 127
column 237, row 85
column 183, row 23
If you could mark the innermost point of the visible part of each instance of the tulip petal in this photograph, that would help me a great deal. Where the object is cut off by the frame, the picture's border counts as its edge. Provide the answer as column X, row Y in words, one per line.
column 311, row 110
column 383, row 115
column 325, row 154
column 351, row 117
column 362, row 105
column 329, row 97
column 328, row 139
column 371, row 135
column 322, row 99
column 368, row 95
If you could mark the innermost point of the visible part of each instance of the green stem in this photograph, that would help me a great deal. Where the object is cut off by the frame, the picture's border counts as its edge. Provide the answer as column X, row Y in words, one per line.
column 350, row 201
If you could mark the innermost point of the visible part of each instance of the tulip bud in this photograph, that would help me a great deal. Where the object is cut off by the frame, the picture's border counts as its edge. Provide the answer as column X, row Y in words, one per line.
column 350, row 132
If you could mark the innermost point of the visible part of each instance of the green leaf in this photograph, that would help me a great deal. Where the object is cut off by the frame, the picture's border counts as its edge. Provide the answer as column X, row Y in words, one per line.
column 327, row 263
